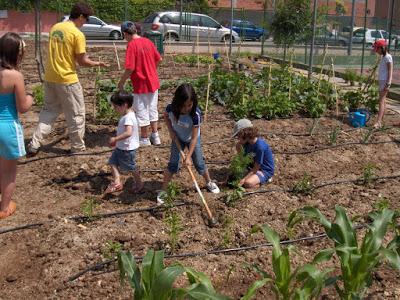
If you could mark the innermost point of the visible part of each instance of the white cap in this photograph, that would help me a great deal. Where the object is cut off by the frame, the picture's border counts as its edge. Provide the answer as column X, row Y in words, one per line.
column 241, row 124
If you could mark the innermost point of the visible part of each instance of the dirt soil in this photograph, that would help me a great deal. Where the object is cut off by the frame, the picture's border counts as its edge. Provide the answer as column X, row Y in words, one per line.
column 37, row 262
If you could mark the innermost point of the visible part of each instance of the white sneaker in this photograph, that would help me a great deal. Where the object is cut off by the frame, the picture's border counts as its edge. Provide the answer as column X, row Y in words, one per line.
column 143, row 142
column 155, row 139
column 213, row 187
column 161, row 197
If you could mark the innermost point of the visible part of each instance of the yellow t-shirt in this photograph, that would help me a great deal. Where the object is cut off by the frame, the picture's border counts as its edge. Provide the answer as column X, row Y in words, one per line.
column 65, row 42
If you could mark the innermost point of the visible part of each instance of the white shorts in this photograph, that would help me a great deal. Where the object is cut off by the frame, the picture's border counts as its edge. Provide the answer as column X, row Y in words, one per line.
column 145, row 107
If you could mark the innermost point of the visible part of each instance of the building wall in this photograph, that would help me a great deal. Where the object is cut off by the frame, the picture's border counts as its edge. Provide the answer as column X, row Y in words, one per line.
column 25, row 21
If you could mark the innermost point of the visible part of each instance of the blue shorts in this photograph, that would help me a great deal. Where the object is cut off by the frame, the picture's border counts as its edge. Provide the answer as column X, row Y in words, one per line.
column 197, row 158
column 263, row 176
column 124, row 160
column 11, row 140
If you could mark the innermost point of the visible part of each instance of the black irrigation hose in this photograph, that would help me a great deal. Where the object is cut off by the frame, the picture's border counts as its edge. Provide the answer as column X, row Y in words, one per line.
column 22, row 227
column 101, row 265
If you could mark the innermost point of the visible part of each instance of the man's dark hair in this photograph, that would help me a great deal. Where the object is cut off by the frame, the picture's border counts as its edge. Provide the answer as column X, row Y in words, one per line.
column 80, row 9
column 122, row 97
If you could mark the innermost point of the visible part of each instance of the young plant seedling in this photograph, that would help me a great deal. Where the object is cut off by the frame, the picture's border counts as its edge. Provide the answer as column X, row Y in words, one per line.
column 111, row 249
column 88, row 208
column 227, row 231
column 333, row 135
column 238, row 166
column 38, row 94
column 172, row 218
column 236, row 195
column 304, row 186
column 368, row 173
column 368, row 135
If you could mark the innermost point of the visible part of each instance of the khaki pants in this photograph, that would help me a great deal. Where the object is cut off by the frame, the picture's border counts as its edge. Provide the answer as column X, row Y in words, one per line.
column 67, row 99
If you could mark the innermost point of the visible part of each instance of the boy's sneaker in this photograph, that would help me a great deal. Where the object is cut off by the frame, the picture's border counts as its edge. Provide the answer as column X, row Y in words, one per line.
column 143, row 142
column 155, row 139
column 213, row 187
column 161, row 197
column 31, row 151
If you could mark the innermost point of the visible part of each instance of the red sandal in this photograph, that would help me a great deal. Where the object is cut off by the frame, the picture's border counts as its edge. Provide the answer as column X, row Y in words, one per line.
column 113, row 188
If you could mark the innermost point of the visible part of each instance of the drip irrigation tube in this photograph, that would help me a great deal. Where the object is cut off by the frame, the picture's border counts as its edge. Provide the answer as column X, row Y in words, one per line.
column 101, row 265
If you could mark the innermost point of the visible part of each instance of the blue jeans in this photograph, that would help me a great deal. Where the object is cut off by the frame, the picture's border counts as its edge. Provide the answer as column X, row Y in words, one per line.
column 123, row 159
column 197, row 158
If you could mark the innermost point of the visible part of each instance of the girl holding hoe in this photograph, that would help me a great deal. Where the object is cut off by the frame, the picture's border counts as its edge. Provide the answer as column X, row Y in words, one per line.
column 183, row 121
column 13, row 100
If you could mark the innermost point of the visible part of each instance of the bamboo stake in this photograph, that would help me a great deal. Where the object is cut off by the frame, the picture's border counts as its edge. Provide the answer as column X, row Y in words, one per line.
column 116, row 56
column 227, row 56
column 322, row 67
column 208, row 92
column 96, row 86
column 269, row 78
column 290, row 73
column 335, row 89
column 198, row 50
column 209, row 42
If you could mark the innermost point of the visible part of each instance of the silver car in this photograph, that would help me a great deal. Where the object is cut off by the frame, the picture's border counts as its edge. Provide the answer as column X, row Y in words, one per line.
column 169, row 24
column 98, row 29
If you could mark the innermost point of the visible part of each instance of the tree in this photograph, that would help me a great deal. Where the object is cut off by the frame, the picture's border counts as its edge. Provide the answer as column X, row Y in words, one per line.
column 291, row 22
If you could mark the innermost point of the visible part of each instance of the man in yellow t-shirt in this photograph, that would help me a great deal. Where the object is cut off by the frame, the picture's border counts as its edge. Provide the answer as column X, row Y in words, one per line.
column 62, row 91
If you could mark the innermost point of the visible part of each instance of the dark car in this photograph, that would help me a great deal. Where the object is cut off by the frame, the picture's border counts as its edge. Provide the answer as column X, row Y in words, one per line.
column 247, row 30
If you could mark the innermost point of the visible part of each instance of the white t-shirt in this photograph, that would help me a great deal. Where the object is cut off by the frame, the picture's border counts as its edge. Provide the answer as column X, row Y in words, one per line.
column 383, row 69
column 132, row 142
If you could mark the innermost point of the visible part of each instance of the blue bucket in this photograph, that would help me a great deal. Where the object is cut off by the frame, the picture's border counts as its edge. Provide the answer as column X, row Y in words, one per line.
column 216, row 55
column 359, row 118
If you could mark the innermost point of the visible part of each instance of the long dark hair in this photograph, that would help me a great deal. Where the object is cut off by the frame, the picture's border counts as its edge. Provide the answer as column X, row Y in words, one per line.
column 384, row 50
column 11, row 50
column 183, row 93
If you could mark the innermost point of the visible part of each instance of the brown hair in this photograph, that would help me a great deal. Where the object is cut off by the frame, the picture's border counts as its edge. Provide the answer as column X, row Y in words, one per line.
column 248, row 133
column 11, row 50
column 80, row 9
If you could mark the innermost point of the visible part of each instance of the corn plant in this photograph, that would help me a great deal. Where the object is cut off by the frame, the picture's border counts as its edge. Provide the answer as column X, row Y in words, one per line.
column 111, row 249
column 172, row 218
column 304, row 282
column 357, row 261
column 88, row 208
column 368, row 173
column 154, row 281
column 38, row 94
column 304, row 186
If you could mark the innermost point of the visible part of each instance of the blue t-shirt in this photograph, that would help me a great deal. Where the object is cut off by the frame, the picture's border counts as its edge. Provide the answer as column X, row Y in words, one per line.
column 262, row 155
column 183, row 127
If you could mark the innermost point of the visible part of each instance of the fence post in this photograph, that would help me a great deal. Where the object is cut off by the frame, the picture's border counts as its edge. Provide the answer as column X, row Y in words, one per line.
column 353, row 12
column 391, row 24
column 365, row 32
column 310, row 67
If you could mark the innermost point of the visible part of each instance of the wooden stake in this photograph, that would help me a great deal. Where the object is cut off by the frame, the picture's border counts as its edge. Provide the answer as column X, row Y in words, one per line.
column 208, row 92
column 269, row 78
column 334, row 87
column 227, row 55
column 117, row 57
column 198, row 50
column 96, row 86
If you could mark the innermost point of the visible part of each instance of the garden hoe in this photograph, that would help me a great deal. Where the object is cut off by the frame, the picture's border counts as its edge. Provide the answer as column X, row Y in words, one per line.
column 212, row 220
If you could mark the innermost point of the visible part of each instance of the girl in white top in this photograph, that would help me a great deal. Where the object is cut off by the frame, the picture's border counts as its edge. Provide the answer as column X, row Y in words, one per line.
column 126, row 142
column 384, row 78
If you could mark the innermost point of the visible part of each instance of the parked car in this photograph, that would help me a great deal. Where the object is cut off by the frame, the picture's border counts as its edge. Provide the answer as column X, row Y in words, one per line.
column 168, row 23
column 324, row 36
column 371, row 35
column 247, row 30
column 98, row 29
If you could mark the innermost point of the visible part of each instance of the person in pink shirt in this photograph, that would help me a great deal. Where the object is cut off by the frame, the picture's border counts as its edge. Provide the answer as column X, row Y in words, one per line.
column 141, row 62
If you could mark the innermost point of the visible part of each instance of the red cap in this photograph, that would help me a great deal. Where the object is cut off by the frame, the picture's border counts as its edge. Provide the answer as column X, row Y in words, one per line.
column 379, row 43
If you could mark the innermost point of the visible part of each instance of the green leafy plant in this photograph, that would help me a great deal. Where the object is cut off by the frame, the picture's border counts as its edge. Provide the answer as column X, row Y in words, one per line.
column 38, row 94
column 192, row 59
column 381, row 204
column 88, row 208
column 304, row 282
column 156, row 281
column 333, row 135
column 111, row 249
column 235, row 195
column 304, row 185
column 368, row 173
column 239, row 165
column 227, row 223
column 357, row 261
column 172, row 217
column 350, row 76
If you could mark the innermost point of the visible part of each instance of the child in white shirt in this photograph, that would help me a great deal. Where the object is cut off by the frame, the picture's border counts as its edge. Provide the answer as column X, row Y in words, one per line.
column 125, row 142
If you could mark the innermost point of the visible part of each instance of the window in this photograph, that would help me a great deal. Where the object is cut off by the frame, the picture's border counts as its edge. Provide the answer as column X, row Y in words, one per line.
column 94, row 21
column 166, row 19
column 359, row 33
column 194, row 20
column 208, row 22
column 150, row 18
column 385, row 35
column 375, row 34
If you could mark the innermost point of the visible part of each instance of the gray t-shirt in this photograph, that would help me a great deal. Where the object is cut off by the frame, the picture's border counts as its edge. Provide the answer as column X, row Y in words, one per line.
column 183, row 127
column 383, row 69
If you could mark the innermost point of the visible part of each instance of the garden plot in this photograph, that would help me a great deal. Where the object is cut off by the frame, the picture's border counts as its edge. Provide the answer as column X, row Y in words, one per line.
column 53, row 187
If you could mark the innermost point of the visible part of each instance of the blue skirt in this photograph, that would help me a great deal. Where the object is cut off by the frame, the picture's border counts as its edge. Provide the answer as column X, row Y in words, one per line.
column 11, row 140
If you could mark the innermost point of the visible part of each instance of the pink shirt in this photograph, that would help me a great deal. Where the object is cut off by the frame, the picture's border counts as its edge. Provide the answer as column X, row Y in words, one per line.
column 142, row 58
